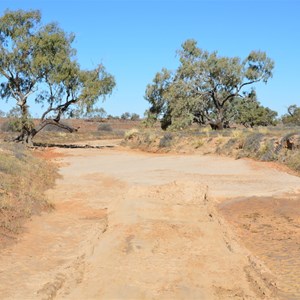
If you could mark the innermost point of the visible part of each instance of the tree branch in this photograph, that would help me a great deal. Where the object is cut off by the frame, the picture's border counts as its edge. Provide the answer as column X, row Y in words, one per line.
column 215, row 100
column 47, row 122
column 229, row 97
column 247, row 83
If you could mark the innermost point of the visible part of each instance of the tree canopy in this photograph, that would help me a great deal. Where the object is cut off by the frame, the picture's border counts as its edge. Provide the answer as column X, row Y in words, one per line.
column 38, row 62
column 204, row 86
column 293, row 115
column 249, row 112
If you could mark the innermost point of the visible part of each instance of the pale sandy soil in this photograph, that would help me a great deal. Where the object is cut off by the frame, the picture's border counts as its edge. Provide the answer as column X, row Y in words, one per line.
column 131, row 225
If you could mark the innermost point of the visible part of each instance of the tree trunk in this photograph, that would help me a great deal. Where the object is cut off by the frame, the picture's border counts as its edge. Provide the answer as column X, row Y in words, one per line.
column 26, row 138
column 218, row 123
column 27, row 130
column 27, row 133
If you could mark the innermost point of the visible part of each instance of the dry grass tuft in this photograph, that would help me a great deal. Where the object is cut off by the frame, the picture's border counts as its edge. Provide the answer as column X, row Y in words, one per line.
column 131, row 133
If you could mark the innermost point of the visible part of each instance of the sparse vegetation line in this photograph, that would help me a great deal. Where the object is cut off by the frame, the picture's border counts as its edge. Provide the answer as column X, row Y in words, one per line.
column 263, row 144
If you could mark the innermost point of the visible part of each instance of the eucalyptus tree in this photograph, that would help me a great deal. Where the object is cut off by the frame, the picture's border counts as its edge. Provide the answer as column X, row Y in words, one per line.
column 293, row 115
column 38, row 66
column 204, row 85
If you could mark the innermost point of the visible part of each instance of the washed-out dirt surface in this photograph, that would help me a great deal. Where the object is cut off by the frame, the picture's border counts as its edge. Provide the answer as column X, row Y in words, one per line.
column 131, row 225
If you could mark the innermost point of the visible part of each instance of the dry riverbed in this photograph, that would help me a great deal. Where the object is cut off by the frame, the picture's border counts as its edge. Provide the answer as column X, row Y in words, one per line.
column 131, row 225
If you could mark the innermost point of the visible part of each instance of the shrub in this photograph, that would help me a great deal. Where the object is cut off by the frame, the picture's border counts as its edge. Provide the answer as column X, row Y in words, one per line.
column 166, row 140
column 125, row 116
column 131, row 134
column 134, row 117
column 219, row 139
column 105, row 127
column 252, row 142
column 54, row 128
column 267, row 151
column 11, row 125
column 237, row 134
column 293, row 161
column 119, row 134
column 199, row 143
column 293, row 116
column 264, row 130
column 228, row 147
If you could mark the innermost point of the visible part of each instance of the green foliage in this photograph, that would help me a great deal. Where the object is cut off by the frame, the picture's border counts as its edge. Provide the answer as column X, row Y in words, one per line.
column 113, row 117
column 92, row 113
column 134, row 117
column 149, row 120
column 293, row 116
column 129, row 116
column 16, row 121
column 249, row 112
column 12, row 125
column 125, row 116
column 38, row 62
column 156, row 94
column 203, row 87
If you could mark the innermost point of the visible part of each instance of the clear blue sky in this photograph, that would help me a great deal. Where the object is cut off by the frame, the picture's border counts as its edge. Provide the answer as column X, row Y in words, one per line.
column 135, row 39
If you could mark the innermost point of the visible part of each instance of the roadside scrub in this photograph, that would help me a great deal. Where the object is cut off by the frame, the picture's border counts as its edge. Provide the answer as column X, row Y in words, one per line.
column 265, row 144
column 88, row 130
column 24, row 179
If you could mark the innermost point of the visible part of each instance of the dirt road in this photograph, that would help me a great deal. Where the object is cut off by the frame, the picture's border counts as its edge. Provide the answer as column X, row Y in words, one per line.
column 130, row 225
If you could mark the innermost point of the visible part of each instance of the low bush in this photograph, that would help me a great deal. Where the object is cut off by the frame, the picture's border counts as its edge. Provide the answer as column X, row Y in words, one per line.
column 252, row 142
column 14, row 124
column 166, row 140
column 237, row 134
column 293, row 160
column 130, row 134
column 228, row 147
column 10, row 126
column 267, row 151
column 54, row 128
column 105, row 127
column 199, row 143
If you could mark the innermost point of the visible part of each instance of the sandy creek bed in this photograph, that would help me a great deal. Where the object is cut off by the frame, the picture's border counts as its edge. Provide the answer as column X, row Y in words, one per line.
column 131, row 225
